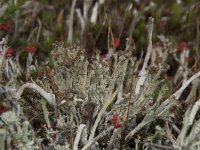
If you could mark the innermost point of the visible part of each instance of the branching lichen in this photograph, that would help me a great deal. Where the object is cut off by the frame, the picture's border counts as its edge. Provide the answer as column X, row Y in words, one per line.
column 94, row 103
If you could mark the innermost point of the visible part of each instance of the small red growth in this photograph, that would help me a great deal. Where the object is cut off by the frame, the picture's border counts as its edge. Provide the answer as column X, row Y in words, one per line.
column 31, row 49
column 9, row 52
column 117, row 121
column 5, row 26
column 42, row 126
column 151, row 103
column 114, row 118
column 182, row 45
column 189, row 59
column 40, row 74
column 115, row 115
column 117, row 125
column 103, row 57
column 121, row 119
column 116, row 43
column 4, row 108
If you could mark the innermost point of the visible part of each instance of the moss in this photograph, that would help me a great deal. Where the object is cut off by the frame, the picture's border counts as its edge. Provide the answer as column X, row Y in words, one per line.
column 47, row 16
column 58, row 28
column 48, row 43
column 177, row 13
column 128, row 16
column 140, row 35
column 9, row 13
column 100, row 34
column 18, row 42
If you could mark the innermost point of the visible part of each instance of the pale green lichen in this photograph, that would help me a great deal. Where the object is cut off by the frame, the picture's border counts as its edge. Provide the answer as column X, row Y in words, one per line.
column 18, row 132
column 3, row 133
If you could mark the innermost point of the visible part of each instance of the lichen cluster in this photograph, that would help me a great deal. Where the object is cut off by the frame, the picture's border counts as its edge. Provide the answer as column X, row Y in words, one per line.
column 120, row 101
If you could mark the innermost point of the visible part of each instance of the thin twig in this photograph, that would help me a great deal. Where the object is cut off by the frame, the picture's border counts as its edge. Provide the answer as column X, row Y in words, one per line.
column 178, row 93
column 149, row 48
column 193, row 113
column 50, row 98
column 39, row 30
column 143, row 72
column 78, row 136
column 70, row 22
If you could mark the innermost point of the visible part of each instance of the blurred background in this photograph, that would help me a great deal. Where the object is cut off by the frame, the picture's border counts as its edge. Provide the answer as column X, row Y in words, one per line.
column 97, row 24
